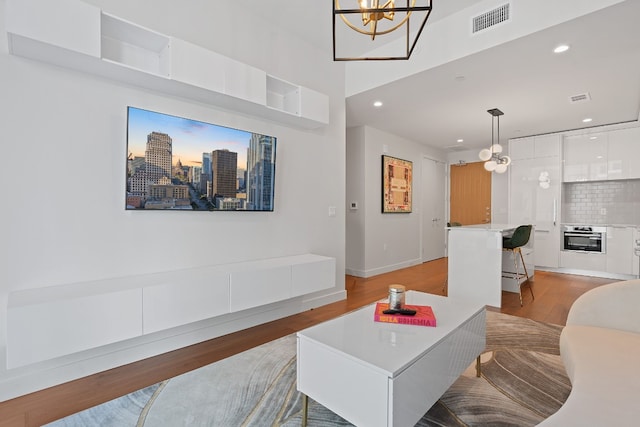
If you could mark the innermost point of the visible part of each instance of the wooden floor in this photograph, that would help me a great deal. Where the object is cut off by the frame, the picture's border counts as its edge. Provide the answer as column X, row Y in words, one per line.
column 554, row 294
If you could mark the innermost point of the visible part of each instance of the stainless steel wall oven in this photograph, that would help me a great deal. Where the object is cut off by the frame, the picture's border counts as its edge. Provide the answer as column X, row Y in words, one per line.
column 584, row 238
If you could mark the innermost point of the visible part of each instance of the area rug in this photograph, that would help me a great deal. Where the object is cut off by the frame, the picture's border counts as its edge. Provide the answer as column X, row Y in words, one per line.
column 523, row 382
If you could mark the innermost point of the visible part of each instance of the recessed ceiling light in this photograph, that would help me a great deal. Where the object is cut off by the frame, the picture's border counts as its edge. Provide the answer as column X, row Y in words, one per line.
column 561, row 48
column 461, row 140
column 593, row 137
column 587, row 120
column 377, row 104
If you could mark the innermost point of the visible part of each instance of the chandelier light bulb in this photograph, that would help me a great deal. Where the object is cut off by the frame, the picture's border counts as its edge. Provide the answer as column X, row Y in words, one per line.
column 484, row 154
column 497, row 148
column 501, row 168
column 506, row 160
column 490, row 165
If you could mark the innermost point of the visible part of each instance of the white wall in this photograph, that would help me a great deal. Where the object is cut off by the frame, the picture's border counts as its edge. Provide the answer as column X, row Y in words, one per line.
column 64, row 150
column 356, row 193
column 376, row 242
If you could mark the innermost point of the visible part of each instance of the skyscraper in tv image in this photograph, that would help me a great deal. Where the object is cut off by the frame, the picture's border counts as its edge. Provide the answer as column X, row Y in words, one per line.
column 157, row 157
column 224, row 167
column 260, row 172
column 151, row 186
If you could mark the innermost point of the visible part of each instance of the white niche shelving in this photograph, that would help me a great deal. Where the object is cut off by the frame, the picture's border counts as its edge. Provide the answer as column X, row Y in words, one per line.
column 130, row 45
column 76, row 35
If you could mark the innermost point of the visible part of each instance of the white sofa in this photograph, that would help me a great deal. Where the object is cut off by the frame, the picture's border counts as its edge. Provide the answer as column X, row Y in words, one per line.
column 600, row 348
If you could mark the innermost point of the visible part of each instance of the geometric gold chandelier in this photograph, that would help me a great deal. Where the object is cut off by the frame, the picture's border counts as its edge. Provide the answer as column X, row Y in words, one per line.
column 377, row 29
column 493, row 159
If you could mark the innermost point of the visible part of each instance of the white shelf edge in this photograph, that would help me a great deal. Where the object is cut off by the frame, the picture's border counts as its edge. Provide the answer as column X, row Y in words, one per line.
column 24, row 46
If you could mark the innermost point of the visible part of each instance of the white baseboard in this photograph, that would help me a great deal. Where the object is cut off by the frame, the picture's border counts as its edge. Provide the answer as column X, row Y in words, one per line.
column 383, row 269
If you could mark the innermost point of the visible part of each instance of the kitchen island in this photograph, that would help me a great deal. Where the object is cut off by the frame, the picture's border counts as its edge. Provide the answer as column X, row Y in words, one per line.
column 476, row 268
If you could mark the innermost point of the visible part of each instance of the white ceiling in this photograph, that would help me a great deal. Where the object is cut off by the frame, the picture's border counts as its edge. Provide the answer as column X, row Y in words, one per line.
column 523, row 78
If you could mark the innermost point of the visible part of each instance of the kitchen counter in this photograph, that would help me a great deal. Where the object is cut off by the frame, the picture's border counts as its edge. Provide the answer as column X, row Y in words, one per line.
column 489, row 227
column 475, row 262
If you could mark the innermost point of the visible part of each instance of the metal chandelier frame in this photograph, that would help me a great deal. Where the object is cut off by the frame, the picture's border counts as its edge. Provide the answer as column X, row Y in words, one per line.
column 371, row 16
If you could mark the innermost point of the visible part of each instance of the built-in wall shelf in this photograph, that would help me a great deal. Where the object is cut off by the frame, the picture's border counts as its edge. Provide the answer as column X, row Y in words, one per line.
column 45, row 323
column 80, row 36
column 130, row 45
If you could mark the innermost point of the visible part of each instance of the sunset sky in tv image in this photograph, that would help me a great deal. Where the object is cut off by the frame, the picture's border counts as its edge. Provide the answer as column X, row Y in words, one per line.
column 190, row 138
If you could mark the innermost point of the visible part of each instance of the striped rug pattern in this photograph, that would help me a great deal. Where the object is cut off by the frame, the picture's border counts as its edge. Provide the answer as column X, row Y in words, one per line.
column 523, row 382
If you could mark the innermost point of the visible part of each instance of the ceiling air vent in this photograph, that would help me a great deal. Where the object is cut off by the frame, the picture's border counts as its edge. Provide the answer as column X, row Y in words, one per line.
column 581, row 97
column 491, row 18
column 456, row 148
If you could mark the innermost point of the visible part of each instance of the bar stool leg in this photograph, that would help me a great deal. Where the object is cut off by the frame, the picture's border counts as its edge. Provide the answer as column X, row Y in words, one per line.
column 527, row 274
column 515, row 262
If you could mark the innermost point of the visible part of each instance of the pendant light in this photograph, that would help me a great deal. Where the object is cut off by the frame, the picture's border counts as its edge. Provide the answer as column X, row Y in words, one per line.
column 493, row 160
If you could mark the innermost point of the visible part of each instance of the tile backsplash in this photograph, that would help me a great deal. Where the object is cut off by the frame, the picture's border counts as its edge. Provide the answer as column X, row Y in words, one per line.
column 601, row 202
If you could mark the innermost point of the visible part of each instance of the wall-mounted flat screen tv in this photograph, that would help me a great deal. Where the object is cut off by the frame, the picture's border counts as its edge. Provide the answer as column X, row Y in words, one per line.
column 174, row 163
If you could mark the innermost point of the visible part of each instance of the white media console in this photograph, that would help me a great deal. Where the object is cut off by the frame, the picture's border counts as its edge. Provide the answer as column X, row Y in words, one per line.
column 50, row 322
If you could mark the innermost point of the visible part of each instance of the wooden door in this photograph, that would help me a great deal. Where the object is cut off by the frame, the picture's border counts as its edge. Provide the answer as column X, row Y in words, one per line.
column 470, row 194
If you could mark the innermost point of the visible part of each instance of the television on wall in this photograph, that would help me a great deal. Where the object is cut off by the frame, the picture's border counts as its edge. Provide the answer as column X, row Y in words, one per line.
column 176, row 163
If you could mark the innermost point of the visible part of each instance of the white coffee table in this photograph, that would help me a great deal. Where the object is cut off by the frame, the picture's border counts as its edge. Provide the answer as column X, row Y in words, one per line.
column 381, row 374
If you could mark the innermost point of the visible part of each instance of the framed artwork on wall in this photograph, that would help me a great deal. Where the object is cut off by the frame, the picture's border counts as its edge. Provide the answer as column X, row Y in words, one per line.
column 397, row 182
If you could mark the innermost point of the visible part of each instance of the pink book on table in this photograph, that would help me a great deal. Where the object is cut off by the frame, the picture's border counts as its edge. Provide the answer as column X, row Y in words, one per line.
column 424, row 315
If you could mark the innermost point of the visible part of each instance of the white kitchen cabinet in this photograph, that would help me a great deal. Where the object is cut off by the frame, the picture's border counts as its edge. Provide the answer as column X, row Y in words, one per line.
column 532, row 201
column 534, row 147
column 586, row 261
column 620, row 250
column 546, row 146
column 585, row 157
column 623, row 154
column 521, row 148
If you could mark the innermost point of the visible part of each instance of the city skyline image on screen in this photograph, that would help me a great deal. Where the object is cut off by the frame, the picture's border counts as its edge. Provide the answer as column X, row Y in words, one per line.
column 175, row 163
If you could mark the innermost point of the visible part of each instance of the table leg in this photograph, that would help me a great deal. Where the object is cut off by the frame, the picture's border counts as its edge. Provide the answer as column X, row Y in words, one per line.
column 305, row 409
column 478, row 367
